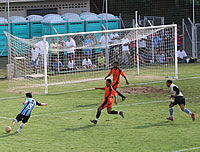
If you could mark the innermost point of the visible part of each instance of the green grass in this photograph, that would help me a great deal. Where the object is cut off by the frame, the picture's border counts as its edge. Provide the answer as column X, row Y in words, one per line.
column 66, row 128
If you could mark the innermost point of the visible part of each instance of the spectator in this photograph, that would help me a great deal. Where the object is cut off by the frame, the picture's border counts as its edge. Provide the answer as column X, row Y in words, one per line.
column 181, row 54
column 101, row 61
column 179, row 40
column 43, row 49
column 87, row 64
column 70, row 44
column 161, row 57
column 79, row 52
column 95, row 52
column 61, row 47
column 114, row 37
column 71, row 65
column 54, row 49
column 35, row 58
column 146, row 56
column 57, row 65
column 157, row 41
column 125, row 51
column 88, row 45
column 103, row 42
column 142, row 43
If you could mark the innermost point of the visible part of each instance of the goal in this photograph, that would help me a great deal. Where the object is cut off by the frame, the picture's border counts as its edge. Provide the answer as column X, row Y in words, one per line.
column 72, row 61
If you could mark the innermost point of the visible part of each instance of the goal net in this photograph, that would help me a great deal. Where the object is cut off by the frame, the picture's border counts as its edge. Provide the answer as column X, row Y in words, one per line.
column 70, row 62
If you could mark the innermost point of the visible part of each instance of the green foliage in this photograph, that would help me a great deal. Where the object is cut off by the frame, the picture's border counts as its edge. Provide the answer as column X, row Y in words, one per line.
column 190, row 2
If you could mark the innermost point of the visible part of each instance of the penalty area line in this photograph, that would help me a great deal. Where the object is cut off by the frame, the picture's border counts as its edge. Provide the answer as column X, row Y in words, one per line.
column 189, row 149
column 84, row 110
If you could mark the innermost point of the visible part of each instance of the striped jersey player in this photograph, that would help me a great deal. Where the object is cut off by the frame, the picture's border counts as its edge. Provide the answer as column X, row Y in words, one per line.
column 177, row 98
column 25, row 113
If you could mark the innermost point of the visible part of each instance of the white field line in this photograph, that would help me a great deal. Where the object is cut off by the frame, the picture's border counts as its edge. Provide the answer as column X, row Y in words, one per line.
column 82, row 90
column 189, row 149
column 83, row 110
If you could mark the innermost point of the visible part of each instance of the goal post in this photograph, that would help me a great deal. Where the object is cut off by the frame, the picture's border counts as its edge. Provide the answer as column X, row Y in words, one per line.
column 56, row 63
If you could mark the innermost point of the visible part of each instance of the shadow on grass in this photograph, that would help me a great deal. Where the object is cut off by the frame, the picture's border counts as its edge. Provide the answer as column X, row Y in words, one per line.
column 80, row 128
column 7, row 135
column 160, row 124
column 88, row 105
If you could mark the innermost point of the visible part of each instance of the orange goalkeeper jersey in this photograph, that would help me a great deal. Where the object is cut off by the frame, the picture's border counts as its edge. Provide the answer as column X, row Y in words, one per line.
column 116, row 75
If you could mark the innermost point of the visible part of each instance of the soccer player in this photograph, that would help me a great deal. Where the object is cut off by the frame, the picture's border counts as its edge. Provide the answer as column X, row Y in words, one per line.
column 108, row 101
column 25, row 113
column 177, row 98
column 116, row 71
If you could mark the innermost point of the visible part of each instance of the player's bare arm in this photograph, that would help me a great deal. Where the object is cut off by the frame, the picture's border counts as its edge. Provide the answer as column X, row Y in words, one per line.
column 107, row 76
column 126, row 80
column 99, row 89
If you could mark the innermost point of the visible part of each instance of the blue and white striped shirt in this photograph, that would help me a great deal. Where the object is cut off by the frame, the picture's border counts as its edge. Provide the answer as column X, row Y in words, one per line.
column 28, row 107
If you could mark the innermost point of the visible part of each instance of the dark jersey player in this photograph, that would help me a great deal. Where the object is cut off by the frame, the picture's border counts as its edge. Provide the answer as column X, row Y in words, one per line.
column 25, row 113
column 108, row 101
column 117, row 72
column 177, row 98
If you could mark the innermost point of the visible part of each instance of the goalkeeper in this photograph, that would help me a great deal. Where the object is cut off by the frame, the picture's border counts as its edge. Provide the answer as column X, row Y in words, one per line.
column 116, row 71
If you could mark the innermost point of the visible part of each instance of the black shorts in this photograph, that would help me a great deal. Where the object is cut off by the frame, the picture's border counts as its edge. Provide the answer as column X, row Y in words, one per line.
column 22, row 118
column 179, row 100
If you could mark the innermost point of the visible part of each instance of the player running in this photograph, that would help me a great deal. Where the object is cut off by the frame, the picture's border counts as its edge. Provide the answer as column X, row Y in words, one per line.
column 108, row 101
column 25, row 113
column 177, row 98
column 116, row 71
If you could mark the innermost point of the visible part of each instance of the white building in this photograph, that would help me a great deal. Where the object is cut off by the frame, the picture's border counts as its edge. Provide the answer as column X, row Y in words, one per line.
column 43, row 7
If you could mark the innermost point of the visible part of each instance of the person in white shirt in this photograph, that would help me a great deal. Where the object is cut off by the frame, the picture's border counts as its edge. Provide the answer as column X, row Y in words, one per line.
column 43, row 49
column 142, row 43
column 70, row 44
column 125, row 50
column 87, row 63
column 103, row 42
column 35, row 59
column 181, row 54
column 71, row 65
column 114, row 37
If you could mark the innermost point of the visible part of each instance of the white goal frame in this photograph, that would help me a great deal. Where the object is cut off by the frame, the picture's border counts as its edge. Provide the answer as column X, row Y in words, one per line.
column 110, row 31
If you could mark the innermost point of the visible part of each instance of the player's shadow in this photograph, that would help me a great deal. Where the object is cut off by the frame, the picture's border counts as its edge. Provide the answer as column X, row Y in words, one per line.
column 79, row 128
column 7, row 135
column 88, row 105
column 160, row 124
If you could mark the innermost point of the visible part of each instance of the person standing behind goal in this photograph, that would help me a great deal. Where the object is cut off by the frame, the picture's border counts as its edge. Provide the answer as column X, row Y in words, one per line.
column 117, row 72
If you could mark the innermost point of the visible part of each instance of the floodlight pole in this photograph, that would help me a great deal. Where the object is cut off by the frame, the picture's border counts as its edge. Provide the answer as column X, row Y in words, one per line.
column 193, row 34
column 9, row 52
column 137, row 47
column 106, row 37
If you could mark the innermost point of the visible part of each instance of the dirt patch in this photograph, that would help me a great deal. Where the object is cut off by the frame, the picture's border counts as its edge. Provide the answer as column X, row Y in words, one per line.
column 142, row 90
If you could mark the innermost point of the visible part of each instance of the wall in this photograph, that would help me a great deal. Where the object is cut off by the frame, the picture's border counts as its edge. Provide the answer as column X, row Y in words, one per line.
column 62, row 6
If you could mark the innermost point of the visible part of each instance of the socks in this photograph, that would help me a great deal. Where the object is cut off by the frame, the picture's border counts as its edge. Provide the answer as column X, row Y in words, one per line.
column 171, row 112
column 98, row 115
column 121, row 95
column 114, row 112
column 20, row 127
column 187, row 111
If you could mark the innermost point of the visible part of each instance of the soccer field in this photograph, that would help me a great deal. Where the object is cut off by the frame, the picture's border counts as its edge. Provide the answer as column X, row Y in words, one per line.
column 64, row 125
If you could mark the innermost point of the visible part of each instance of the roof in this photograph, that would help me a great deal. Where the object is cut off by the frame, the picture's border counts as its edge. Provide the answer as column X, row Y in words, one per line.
column 16, row 1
